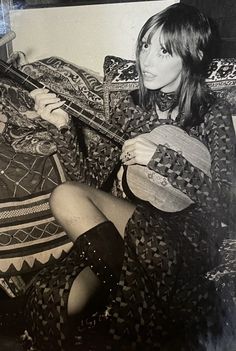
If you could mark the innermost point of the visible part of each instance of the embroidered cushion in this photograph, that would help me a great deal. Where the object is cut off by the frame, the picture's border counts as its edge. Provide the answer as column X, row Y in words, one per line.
column 29, row 170
column 222, row 79
column 75, row 83
column 120, row 77
column 30, row 237
column 72, row 82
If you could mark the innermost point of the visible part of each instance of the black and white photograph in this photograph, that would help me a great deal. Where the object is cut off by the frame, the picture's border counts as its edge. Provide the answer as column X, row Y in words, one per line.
column 117, row 175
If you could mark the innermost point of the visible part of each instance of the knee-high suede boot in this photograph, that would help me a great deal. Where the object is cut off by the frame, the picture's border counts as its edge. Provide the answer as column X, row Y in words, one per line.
column 103, row 249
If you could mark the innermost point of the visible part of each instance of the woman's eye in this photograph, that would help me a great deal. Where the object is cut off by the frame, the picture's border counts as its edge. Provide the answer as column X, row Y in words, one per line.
column 145, row 45
column 164, row 51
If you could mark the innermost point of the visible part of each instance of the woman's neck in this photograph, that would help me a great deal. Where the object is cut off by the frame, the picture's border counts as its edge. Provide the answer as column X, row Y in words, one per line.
column 165, row 101
column 166, row 115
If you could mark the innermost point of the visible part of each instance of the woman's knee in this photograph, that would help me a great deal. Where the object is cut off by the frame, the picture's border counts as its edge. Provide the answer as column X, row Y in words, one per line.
column 63, row 196
column 59, row 192
column 69, row 195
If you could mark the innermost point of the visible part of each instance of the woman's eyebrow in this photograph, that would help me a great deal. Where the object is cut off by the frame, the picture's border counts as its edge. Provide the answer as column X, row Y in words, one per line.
column 147, row 38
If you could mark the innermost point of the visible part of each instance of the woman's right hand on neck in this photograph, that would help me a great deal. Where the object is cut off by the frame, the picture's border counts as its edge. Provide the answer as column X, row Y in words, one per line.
column 47, row 105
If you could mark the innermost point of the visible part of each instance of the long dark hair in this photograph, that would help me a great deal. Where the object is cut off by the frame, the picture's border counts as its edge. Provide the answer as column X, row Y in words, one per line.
column 186, row 32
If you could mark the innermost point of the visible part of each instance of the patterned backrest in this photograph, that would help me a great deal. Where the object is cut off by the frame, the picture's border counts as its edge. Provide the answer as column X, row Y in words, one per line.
column 120, row 77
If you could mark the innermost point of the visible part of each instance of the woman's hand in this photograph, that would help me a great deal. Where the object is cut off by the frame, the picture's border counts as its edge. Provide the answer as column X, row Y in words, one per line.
column 138, row 150
column 17, row 59
column 47, row 105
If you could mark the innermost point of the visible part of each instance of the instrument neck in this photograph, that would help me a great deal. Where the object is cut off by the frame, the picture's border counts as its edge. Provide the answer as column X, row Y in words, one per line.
column 87, row 118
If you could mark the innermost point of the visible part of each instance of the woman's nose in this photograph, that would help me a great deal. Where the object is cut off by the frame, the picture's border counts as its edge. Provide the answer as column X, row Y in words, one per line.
column 148, row 58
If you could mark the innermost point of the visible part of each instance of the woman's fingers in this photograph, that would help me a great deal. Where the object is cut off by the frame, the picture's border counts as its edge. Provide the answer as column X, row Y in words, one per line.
column 128, row 150
column 138, row 150
column 48, row 106
column 46, row 110
column 45, row 101
column 128, row 153
column 129, row 143
column 35, row 92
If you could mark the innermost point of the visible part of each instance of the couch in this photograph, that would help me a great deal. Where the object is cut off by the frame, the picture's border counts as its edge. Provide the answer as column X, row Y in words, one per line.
column 30, row 237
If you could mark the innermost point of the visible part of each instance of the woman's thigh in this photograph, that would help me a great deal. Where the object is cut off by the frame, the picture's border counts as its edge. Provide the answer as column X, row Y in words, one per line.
column 80, row 207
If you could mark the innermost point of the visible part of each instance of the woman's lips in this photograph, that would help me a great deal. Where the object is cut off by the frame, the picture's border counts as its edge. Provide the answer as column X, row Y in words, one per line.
column 148, row 75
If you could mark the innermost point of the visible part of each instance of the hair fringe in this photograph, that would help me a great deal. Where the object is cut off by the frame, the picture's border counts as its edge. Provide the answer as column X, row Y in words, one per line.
column 178, row 21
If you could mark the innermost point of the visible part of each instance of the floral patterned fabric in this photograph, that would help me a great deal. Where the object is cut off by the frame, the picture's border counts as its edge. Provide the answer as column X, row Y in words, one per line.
column 20, row 131
column 71, row 82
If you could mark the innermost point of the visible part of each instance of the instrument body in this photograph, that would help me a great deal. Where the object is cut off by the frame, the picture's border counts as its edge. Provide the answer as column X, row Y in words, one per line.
column 155, row 188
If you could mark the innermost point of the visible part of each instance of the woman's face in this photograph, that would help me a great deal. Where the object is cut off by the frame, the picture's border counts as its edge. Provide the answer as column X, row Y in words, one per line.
column 160, row 70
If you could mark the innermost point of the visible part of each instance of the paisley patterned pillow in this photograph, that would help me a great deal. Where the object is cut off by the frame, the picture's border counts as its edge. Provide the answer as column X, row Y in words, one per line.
column 120, row 77
column 222, row 72
column 72, row 82
column 222, row 79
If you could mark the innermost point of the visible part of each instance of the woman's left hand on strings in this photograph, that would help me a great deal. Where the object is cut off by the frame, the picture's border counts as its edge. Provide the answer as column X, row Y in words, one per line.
column 138, row 150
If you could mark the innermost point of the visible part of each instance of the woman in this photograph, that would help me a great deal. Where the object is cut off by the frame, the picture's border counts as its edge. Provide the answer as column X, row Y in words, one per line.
column 152, row 283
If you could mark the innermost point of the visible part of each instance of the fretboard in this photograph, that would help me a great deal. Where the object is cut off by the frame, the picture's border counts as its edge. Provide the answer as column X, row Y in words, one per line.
column 85, row 117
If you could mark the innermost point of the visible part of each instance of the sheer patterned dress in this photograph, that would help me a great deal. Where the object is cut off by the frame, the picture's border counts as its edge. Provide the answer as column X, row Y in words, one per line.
column 163, row 293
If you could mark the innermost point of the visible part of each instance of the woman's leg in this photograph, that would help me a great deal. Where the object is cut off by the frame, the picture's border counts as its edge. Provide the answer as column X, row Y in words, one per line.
column 80, row 209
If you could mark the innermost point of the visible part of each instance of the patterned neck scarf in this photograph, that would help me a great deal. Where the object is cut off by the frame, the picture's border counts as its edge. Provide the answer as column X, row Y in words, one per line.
column 165, row 101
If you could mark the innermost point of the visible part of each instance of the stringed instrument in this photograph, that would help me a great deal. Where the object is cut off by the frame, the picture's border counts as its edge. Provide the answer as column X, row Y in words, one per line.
column 155, row 188
column 142, row 182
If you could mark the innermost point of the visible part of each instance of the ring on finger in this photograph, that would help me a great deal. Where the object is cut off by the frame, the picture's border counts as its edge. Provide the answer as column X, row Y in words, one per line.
column 128, row 156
